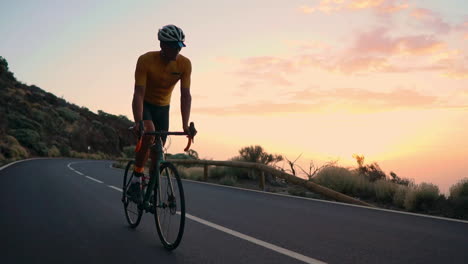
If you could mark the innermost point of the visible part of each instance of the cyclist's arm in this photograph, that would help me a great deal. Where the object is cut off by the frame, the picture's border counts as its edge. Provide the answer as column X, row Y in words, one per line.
column 139, row 92
column 185, row 96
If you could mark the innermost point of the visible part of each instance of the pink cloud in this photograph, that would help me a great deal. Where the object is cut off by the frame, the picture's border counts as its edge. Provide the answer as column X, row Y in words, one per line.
column 430, row 19
column 382, row 6
column 266, row 68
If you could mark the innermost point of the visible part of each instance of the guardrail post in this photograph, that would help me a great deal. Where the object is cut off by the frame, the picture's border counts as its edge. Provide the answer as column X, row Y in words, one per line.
column 205, row 172
column 261, row 180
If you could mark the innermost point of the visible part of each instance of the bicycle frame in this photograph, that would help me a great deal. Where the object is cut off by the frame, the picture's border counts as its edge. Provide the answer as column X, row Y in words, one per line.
column 157, row 147
column 155, row 174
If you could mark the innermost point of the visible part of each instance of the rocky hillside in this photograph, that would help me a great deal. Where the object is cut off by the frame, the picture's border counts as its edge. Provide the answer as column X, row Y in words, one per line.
column 38, row 123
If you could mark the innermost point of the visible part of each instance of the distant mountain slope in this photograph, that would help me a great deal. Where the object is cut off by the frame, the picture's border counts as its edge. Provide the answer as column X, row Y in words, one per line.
column 38, row 123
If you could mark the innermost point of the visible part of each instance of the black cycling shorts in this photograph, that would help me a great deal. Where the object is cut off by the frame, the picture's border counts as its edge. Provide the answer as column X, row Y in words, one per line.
column 158, row 114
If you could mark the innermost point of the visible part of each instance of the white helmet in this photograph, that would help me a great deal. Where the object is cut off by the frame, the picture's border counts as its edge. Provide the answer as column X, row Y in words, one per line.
column 172, row 33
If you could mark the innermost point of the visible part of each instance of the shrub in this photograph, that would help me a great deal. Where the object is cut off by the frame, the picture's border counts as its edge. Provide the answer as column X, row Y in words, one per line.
column 194, row 173
column 68, row 114
column 372, row 171
column 11, row 149
column 459, row 198
column 129, row 152
column 53, row 152
column 342, row 180
column 400, row 195
column 27, row 137
column 41, row 149
column 19, row 121
column 422, row 198
column 401, row 181
column 385, row 190
column 257, row 154
column 216, row 172
column 64, row 150
column 459, row 190
column 228, row 180
column 296, row 191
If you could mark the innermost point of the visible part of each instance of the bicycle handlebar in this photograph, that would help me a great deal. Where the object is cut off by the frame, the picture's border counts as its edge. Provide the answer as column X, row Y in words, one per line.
column 190, row 135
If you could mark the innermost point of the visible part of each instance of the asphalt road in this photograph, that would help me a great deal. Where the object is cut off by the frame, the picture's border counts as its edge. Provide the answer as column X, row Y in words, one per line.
column 69, row 211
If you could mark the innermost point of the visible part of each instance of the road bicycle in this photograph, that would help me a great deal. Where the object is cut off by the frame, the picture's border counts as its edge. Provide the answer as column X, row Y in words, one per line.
column 163, row 194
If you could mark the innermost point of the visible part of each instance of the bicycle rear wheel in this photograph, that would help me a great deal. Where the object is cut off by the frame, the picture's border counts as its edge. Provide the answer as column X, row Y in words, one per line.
column 170, row 207
column 132, row 213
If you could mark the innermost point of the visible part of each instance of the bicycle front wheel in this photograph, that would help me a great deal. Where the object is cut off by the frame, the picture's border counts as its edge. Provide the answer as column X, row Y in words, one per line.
column 170, row 206
column 132, row 212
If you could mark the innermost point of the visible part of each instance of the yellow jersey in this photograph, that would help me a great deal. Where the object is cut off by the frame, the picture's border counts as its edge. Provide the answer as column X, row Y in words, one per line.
column 159, row 77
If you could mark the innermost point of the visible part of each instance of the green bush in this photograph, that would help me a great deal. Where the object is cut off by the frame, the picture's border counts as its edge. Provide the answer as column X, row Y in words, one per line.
column 27, row 137
column 41, row 149
column 422, row 198
column 459, row 199
column 10, row 148
column 459, row 190
column 18, row 121
column 68, row 114
column 64, row 150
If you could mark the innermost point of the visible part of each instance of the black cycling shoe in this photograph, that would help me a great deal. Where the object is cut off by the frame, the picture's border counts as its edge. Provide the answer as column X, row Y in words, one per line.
column 134, row 192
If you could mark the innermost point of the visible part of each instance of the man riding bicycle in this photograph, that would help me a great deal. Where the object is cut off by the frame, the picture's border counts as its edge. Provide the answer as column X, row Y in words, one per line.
column 156, row 75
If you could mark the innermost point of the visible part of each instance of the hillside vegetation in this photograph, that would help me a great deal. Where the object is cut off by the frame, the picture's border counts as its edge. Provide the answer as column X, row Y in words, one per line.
column 36, row 123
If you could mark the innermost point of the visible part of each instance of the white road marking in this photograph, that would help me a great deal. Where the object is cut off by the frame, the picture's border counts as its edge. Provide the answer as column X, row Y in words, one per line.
column 115, row 188
column 259, row 242
column 18, row 161
column 91, row 178
column 78, row 172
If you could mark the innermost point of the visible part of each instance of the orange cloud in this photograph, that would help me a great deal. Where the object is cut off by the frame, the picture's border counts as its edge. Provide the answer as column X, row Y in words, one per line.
column 458, row 72
column 378, row 42
column 382, row 6
column 310, row 101
column 261, row 108
column 394, row 99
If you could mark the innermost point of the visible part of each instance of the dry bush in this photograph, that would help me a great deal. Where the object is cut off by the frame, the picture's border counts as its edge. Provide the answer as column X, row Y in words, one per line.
column 421, row 198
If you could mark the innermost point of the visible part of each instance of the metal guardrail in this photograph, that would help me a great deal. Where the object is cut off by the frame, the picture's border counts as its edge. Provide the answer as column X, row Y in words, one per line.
column 261, row 169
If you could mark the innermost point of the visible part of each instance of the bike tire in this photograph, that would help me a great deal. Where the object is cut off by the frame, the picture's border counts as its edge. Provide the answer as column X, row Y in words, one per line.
column 169, row 207
column 132, row 212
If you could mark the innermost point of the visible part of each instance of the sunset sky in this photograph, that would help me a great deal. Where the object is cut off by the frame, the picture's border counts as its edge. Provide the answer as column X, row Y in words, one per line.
column 387, row 79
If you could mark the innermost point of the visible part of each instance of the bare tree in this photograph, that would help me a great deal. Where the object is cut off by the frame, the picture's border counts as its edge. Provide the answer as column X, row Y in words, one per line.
column 292, row 164
column 314, row 169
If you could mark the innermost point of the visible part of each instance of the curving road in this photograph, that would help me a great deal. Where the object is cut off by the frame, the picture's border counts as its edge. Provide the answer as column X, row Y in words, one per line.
column 69, row 211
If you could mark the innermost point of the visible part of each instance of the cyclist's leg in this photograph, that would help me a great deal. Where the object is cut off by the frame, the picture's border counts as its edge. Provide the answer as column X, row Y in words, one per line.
column 141, row 157
column 160, row 118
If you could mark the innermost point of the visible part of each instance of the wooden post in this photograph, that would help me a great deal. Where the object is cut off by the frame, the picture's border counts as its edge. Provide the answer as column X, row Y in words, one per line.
column 261, row 180
column 205, row 172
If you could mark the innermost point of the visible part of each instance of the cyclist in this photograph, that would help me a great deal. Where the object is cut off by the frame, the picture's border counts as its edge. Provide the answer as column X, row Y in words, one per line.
column 156, row 75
